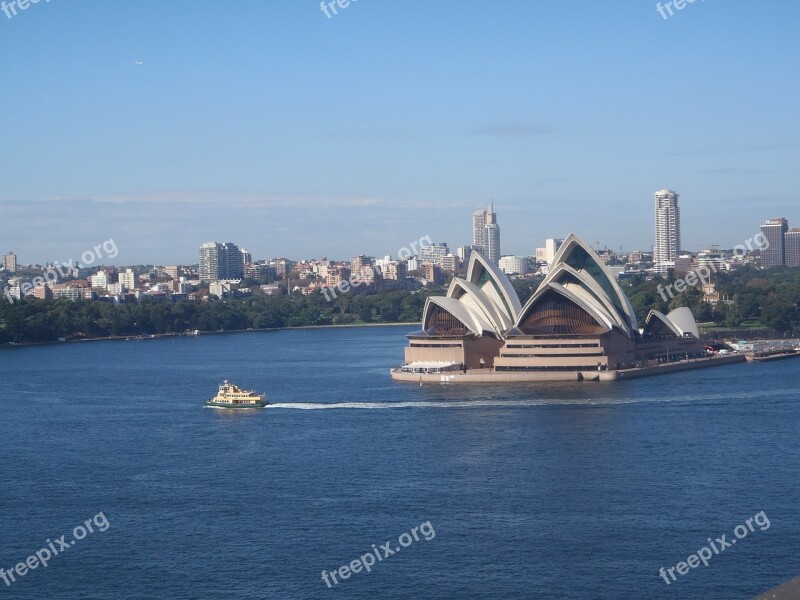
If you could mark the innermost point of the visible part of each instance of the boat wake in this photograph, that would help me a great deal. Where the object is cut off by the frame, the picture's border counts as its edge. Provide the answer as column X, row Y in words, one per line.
column 426, row 404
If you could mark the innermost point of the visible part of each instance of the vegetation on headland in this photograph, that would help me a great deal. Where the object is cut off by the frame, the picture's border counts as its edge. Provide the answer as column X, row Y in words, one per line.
column 768, row 300
column 32, row 321
column 749, row 299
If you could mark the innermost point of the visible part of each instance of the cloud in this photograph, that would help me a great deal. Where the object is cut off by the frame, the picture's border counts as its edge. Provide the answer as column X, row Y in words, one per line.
column 732, row 171
column 516, row 130
column 753, row 148
column 205, row 197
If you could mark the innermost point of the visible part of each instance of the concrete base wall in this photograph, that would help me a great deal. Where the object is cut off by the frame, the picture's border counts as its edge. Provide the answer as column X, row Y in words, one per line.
column 489, row 376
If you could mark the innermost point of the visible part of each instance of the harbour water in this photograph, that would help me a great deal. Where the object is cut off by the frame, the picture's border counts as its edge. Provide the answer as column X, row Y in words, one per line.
column 571, row 490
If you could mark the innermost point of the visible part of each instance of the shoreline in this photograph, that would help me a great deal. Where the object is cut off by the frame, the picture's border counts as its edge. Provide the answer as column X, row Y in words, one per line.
column 490, row 376
column 158, row 336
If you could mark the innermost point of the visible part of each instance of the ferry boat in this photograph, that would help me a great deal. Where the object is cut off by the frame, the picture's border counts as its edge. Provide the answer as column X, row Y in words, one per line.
column 232, row 396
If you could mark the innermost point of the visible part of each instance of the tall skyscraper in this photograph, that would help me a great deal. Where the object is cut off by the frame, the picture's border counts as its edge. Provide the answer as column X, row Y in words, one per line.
column 10, row 262
column 774, row 230
column 210, row 256
column 479, row 230
column 792, row 238
column 492, row 242
column 234, row 261
column 486, row 233
column 220, row 261
column 668, row 227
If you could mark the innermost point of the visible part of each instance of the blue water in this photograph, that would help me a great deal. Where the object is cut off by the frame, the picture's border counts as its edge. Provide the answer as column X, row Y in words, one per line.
column 548, row 491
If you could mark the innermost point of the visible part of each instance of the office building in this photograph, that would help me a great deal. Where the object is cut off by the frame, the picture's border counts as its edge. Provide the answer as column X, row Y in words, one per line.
column 100, row 280
column 42, row 292
column 449, row 263
column 10, row 262
column 493, row 242
column 792, row 247
column 129, row 280
column 514, row 265
column 551, row 247
column 463, row 253
column 433, row 254
column 683, row 264
column 479, row 230
column 774, row 230
column 711, row 259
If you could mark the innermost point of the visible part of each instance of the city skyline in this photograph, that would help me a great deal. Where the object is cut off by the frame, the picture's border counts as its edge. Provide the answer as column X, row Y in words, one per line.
column 358, row 144
column 669, row 240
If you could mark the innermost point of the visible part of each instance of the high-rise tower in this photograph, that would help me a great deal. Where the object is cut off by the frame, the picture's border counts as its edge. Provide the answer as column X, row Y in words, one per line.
column 220, row 261
column 774, row 230
column 479, row 230
column 486, row 233
column 792, row 243
column 668, row 227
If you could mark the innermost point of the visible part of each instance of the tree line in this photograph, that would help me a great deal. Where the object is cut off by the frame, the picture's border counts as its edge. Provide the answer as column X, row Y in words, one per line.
column 758, row 298
column 33, row 320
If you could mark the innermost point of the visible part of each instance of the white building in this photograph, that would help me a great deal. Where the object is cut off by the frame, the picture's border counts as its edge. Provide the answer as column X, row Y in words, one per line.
column 479, row 230
column 220, row 261
column 551, row 247
column 713, row 259
column 663, row 268
column 486, row 233
column 514, row 265
column 668, row 227
column 69, row 292
column 463, row 253
column 128, row 279
column 219, row 289
column 100, row 280
column 548, row 253
column 493, row 242
column 433, row 254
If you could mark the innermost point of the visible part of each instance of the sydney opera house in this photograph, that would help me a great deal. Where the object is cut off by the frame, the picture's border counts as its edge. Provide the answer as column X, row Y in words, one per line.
column 578, row 324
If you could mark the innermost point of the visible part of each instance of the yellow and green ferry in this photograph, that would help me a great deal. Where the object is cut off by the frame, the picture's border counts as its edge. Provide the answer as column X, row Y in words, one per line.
column 232, row 396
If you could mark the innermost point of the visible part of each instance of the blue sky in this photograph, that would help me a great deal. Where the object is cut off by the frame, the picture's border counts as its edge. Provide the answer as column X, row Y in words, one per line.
column 267, row 124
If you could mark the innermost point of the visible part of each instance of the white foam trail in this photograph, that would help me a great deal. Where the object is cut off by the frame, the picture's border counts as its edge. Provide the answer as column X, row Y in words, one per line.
column 443, row 404
column 706, row 397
